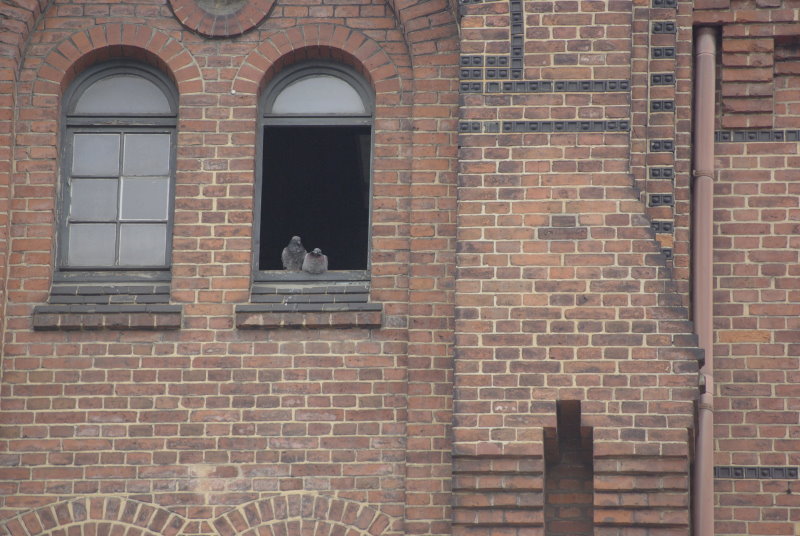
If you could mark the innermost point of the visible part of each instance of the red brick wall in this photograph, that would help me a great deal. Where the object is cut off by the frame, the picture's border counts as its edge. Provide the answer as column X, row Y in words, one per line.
column 322, row 429
column 562, row 292
column 513, row 254
column 756, row 207
column 17, row 20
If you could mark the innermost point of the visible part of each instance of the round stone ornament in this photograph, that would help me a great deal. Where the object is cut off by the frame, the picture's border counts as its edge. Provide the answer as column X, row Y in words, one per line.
column 221, row 18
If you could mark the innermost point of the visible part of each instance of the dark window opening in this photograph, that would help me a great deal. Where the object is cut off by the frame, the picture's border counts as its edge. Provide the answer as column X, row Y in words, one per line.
column 315, row 172
column 316, row 186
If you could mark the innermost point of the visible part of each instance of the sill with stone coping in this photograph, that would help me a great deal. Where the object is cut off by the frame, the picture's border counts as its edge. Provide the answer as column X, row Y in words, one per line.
column 365, row 316
column 74, row 317
column 295, row 300
column 118, row 300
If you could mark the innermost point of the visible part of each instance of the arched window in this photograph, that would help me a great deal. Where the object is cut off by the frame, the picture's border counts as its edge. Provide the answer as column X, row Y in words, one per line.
column 316, row 130
column 117, row 170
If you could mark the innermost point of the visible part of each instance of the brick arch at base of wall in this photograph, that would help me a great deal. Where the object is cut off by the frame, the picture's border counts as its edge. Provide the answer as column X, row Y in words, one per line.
column 304, row 514
column 95, row 516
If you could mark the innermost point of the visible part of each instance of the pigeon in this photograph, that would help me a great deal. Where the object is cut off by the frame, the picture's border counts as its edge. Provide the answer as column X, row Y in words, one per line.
column 293, row 255
column 315, row 262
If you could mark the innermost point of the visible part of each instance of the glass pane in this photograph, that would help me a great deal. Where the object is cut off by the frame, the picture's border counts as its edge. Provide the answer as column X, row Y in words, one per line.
column 93, row 199
column 92, row 244
column 320, row 94
column 145, row 199
column 122, row 94
column 95, row 155
column 146, row 154
column 141, row 244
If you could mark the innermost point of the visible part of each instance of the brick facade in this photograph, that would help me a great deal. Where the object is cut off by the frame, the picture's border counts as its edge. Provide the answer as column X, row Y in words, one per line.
column 524, row 359
column 756, row 263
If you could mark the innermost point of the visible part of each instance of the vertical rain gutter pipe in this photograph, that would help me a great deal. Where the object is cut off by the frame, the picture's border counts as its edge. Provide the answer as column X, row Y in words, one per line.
column 702, row 272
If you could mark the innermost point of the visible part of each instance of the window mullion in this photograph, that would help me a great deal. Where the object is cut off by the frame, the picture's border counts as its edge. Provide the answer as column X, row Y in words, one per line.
column 123, row 141
column 144, row 131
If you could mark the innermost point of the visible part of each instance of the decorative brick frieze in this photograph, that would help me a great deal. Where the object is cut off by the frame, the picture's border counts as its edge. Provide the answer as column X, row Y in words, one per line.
column 662, row 106
column 664, row 27
column 558, row 86
column 507, row 127
column 662, row 53
column 658, row 105
column 738, row 136
column 662, row 226
column 661, row 200
column 667, row 173
column 662, row 79
column 662, row 146
column 591, row 85
column 760, row 473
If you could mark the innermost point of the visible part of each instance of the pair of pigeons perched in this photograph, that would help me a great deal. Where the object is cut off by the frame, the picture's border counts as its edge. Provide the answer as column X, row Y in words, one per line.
column 295, row 258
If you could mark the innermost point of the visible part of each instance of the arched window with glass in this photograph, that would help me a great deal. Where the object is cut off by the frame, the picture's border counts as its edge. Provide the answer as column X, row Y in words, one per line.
column 116, row 198
column 316, row 133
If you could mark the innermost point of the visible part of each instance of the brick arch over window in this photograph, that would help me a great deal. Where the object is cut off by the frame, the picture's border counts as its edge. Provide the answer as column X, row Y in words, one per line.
column 319, row 41
column 305, row 514
column 52, row 76
column 241, row 19
column 117, row 40
column 95, row 516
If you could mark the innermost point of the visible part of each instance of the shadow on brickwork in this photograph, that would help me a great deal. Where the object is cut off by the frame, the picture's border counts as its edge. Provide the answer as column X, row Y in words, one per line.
column 569, row 475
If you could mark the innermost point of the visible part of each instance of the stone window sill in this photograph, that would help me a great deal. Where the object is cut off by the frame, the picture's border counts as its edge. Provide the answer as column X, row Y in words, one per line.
column 295, row 300
column 99, row 317
column 118, row 300
column 309, row 316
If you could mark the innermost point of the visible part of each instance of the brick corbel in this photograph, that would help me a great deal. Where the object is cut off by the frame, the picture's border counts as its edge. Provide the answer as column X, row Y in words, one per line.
column 748, row 87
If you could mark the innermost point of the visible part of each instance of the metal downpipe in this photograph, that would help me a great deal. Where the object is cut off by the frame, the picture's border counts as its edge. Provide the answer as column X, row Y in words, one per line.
column 702, row 272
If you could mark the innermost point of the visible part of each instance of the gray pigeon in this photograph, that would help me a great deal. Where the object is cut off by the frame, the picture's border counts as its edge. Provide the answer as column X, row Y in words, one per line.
column 293, row 255
column 315, row 262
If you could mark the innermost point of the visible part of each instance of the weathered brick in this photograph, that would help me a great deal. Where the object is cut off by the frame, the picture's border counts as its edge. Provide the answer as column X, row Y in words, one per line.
column 513, row 273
